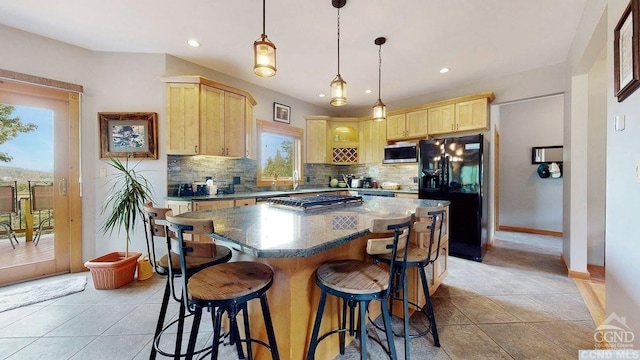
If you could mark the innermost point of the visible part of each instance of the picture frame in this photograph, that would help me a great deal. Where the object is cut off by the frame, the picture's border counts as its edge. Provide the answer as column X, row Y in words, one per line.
column 128, row 135
column 626, row 51
column 281, row 113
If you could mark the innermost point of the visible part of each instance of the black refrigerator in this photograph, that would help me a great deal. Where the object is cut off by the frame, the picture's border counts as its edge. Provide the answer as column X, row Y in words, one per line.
column 457, row 170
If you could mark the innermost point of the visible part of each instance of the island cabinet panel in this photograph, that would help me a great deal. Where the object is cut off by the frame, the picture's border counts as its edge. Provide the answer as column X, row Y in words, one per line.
column 441, row 119
column 212, row 204
column 316, row 141
column 245, row 202
column 183, row 120
column 472, row 115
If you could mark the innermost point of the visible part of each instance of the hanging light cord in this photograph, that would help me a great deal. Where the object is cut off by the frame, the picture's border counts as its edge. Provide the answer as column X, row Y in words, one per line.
column 264, row 18
column 338, row 41
column 379, row 69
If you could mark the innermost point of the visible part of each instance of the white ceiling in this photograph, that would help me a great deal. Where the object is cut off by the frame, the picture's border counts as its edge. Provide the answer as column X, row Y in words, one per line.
column 475, row 39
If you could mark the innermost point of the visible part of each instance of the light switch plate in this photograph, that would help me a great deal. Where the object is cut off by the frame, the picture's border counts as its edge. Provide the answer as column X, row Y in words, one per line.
column 638, row 171
column 619, row 123
column 103, row 173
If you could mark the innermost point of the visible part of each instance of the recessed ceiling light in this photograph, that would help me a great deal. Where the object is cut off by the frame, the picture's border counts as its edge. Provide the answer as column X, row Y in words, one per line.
column 444, row 70
column 368, row 91
column 322, row 95
column 193, row 43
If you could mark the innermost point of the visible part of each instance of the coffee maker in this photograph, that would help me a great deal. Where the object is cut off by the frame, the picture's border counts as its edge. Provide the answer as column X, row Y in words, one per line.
column 366, row 183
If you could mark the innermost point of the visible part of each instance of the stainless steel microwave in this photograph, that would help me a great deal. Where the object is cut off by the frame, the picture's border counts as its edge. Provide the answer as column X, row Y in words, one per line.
column 400, row 153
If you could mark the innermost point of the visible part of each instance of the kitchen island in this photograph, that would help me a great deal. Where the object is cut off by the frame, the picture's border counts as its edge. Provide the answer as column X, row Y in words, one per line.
column 294, row 243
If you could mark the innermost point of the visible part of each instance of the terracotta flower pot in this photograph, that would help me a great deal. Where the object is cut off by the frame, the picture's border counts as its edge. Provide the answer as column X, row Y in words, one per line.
column 113, row 270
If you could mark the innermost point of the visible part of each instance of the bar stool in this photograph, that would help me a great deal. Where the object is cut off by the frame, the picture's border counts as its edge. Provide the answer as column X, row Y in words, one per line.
column 222, row 288
column 357, row 283
column 155, row 223
column 417, row 257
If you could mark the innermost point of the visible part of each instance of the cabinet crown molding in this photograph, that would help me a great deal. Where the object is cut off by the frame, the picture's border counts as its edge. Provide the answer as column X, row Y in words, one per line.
column 197, row 79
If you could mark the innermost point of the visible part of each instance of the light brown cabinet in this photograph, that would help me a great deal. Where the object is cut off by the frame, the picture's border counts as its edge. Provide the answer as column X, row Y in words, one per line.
column 472, row 115
column 409, row 125
column 208, row 118
column 441, row 119
column 332, row 140
column 316, row 141
column 212, row 204
column 373, row 138
column 245, row 202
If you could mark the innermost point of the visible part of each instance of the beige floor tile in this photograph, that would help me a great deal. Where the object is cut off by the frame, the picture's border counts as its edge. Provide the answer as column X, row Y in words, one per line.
column 469, row 342
column 571, row 335
column 480, row 309
column 523, row 342
column 526, row 309
column 53, row 348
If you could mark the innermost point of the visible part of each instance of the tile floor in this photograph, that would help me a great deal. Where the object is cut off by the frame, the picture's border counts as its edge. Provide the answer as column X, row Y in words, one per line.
column 516, row 304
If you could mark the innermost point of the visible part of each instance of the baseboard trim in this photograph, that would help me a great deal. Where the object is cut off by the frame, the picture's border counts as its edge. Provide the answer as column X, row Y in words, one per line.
column 530, row 231
column 575, row 274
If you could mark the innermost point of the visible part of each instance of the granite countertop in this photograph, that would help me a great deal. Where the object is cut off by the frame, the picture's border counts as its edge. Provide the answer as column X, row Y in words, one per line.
column 269, row 194
column 271, row 232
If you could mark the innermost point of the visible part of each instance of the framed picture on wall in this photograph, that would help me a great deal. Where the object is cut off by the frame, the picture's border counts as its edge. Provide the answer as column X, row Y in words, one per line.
column 626, row 47
column 281, row 113
column 132, row 135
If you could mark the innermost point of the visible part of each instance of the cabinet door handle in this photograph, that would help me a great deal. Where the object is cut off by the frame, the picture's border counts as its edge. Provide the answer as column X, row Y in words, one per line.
column 195, row 149
column 227, row 151
column 189, row 207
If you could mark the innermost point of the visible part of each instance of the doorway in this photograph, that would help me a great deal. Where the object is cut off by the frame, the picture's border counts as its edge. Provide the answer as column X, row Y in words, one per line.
column 48, row 215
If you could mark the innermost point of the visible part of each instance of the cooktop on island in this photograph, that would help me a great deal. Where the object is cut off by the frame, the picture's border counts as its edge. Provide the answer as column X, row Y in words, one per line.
column 321, row 201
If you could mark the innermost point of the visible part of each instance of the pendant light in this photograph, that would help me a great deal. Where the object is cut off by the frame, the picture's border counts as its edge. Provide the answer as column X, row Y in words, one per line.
column 264, row 52
column 379, row 109
column 338, row 86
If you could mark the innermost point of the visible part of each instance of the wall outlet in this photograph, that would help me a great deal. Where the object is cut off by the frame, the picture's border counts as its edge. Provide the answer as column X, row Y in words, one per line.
column 638, row 171
column 103, row 173
column 236, row 180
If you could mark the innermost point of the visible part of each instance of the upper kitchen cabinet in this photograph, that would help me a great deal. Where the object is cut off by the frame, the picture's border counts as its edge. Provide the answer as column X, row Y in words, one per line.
column 472, row 115
column 407, row 125
column 317, row 139
column 373, row 138
column 344, row 140
column 205, row 117
column 441, row 119
column 462, row 114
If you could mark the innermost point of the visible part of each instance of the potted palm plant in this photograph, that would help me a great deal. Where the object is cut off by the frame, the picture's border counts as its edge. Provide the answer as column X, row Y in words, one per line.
column 124, row 208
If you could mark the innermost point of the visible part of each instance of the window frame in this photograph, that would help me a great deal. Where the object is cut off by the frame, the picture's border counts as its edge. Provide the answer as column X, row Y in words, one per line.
column 274, row 128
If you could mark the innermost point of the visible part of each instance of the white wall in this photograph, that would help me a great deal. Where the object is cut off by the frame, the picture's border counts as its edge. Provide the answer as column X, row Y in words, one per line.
column 622, row 188
column 596, row 155
column 623, row 195
column 526, row 200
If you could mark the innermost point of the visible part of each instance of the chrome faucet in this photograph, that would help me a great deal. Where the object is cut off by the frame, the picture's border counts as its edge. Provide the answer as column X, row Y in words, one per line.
column 296, row 178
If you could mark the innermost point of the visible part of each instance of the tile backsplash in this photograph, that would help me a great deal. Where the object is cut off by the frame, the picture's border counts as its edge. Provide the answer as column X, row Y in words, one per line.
column 187, row 169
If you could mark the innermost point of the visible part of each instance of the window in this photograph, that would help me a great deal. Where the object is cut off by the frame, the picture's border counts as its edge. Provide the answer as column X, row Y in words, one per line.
column 279, row 153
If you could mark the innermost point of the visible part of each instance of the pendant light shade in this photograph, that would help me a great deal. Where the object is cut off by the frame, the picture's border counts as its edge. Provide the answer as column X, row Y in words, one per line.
column 264, row 52
column 379, row 109
column 338, row 85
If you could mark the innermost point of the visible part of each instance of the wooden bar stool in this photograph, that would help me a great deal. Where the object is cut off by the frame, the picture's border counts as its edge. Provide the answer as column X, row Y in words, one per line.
column 357, row 283
column 223, row 288
column 155, row 223
column 417, row 257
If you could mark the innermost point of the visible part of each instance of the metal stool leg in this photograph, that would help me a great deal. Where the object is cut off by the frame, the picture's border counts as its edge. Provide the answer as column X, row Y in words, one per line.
column 161, row 318
column 217, row 323
column 405, row 313
column 197, row 315
column 316, row 327
column 341, row 335
column 181, row 314
column 386, row 318
column 247, row 332
column 362, row 310
column 275, row 355
column 429, row 305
